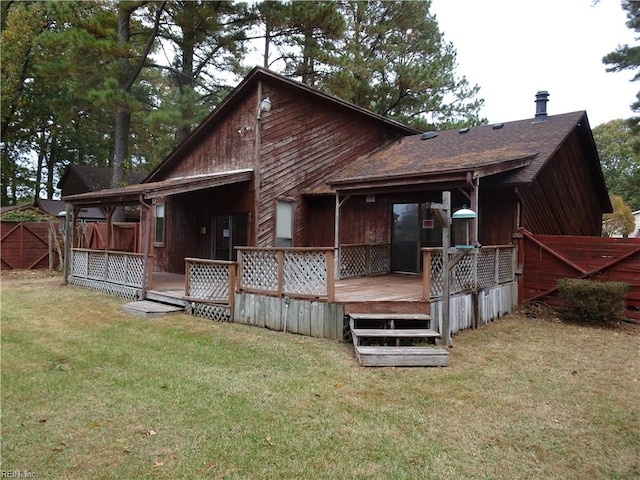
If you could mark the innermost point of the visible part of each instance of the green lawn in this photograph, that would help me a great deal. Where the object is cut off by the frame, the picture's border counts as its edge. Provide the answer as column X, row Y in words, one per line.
column 90, row 393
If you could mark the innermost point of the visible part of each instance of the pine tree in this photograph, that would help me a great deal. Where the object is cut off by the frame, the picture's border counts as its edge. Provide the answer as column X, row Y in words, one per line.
column 395, row 62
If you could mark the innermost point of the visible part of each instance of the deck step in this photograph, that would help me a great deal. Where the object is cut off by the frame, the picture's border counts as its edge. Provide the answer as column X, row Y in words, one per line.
column 149, row 309
column 397, row 356
column 396, row 332
column 402, row 356
column 390, row 316
column 173, row 297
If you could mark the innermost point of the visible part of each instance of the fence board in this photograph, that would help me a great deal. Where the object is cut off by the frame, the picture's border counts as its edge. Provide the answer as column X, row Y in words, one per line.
column 25, row 245
column 548, row 258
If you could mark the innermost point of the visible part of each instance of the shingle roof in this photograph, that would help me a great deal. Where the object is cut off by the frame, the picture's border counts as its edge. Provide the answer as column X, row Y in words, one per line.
column 54, row 207
column 97, row 178
column 477, row 150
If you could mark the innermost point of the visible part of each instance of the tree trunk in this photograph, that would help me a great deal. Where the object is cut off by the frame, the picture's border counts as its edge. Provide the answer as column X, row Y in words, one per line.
column 42, row 148
column 121, row 152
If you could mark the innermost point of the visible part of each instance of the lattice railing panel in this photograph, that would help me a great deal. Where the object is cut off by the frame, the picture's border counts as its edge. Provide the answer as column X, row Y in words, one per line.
column 437, row 279
column 97, row 265
column 259, row 269
column 505, row 265
column 305, row 272
column 209, row 281
column 79, row 264
column 380, row 261
column 462, row 274
column 135, row 271
column 353, row 261
column 116, row 268
column 486, row 267
column 493, row 265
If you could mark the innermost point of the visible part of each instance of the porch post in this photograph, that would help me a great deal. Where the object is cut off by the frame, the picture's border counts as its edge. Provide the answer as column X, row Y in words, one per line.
column 110, row 212
column 145, row 211
column 69, row 225
column 446, row 287
column 336, row 240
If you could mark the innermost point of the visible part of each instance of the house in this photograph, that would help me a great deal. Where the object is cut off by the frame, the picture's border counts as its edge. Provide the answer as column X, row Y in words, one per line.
column 279, row 165
column 88, row 178
column 636, row 231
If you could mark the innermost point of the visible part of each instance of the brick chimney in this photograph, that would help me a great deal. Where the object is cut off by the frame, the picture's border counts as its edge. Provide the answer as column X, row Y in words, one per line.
column 542, row 98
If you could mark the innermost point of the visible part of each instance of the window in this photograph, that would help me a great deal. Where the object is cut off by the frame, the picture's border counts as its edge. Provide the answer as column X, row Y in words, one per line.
column 284, row 224
column 159, row 232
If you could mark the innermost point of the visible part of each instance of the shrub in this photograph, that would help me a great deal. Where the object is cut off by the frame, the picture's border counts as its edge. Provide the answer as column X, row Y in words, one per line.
column 591, row 301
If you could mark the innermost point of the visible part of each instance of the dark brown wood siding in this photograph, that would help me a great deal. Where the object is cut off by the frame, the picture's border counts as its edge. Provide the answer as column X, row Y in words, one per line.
column 229, row 145
column 302, row 144
column 188, row 215
column 497, row 216
column 560, row 201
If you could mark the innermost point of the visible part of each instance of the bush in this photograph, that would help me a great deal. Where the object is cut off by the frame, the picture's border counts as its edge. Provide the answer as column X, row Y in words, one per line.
column 591, row 301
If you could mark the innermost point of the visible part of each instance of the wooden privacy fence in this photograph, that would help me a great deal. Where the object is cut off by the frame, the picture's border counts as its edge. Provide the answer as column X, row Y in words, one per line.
column 125, row 236
column 30, row 245
column 547, row 258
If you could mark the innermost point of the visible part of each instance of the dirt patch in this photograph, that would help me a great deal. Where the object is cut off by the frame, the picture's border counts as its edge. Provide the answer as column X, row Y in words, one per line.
column 20, row 275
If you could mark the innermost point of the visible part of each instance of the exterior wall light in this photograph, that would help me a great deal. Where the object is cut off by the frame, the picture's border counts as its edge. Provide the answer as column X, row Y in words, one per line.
column 265, row 104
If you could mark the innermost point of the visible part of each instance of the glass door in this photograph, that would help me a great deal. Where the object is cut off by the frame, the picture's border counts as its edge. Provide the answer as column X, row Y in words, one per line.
column 405, row 238
column 229, row 232
column 414, row 227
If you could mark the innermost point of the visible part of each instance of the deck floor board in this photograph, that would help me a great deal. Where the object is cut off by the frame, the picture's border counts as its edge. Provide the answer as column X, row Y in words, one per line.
column 393, row 287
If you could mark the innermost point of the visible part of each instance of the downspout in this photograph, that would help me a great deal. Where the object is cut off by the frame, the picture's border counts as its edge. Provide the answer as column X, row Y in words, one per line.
column 256, row 169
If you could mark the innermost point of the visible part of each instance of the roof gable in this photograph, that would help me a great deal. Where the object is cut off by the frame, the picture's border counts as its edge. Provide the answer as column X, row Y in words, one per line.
column 248, row 88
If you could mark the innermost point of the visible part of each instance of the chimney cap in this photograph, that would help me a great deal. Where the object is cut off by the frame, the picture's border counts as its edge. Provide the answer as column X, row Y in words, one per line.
column 542, row 97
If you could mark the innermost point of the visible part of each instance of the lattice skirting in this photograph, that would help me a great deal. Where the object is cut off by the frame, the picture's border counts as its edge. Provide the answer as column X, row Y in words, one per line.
column 217, row 313
column 106, row 287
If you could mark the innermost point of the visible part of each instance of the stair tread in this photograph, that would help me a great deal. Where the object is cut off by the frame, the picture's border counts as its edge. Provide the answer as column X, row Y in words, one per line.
column 390, row 316
column 395, row 332
column 386, row 350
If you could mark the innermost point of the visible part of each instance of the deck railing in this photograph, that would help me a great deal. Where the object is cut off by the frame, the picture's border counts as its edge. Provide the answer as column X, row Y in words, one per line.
column 210, row 280
column 363, row 259
column 479, row 269
column 303, row 272
column 119, row 273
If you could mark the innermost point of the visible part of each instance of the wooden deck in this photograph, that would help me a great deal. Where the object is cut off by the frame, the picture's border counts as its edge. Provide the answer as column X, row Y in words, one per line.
column 393, row 287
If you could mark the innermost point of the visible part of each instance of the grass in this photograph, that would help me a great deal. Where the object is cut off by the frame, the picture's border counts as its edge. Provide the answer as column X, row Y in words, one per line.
column 90, row 393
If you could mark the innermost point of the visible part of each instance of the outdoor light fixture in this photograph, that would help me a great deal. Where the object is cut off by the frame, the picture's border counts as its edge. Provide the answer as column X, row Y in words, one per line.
column 265, row 104
column 462, row 227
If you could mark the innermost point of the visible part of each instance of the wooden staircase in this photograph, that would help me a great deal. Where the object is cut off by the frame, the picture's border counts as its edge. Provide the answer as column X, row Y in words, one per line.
column 396, row 340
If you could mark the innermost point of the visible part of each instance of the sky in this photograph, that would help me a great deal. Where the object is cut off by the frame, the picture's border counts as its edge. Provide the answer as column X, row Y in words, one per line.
column 514, row 48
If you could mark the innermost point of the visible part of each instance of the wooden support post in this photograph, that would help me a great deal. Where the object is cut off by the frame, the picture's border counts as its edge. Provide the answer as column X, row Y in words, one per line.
column 331, row 284
column 145, row 211
column 280, row 254
column 426, row 274
column 110, row 212
column 68, row 226
column 446, row 284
